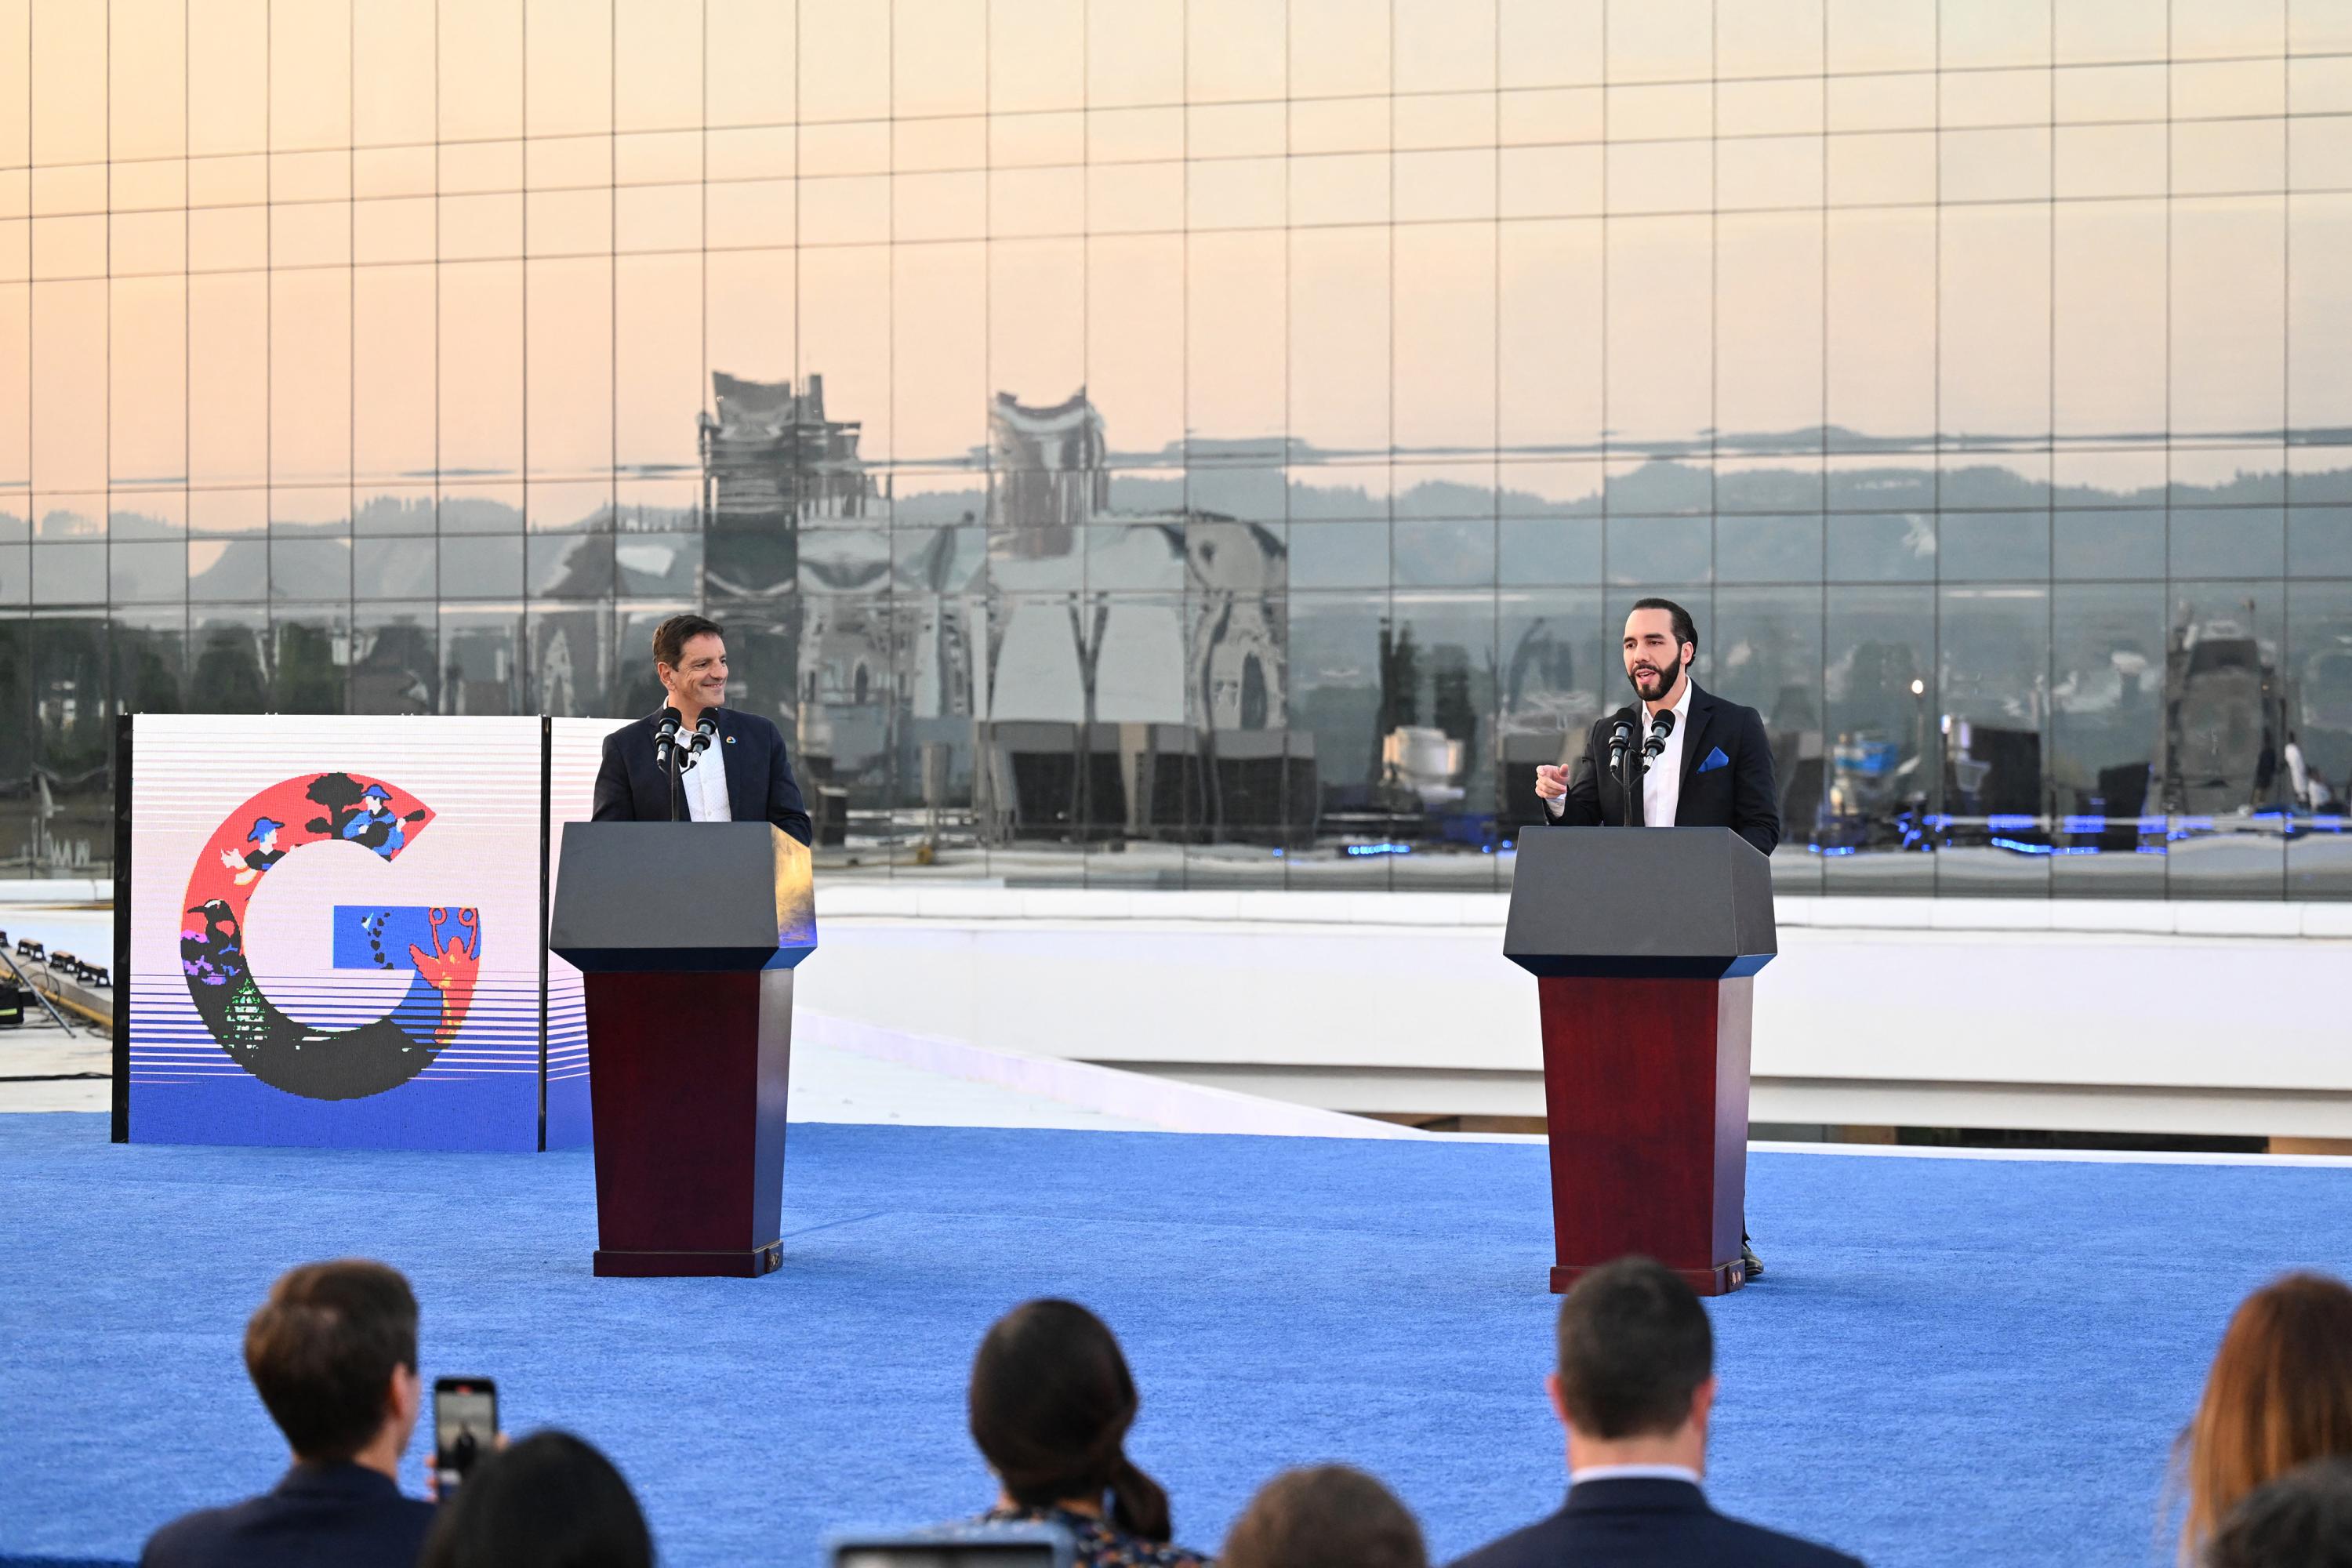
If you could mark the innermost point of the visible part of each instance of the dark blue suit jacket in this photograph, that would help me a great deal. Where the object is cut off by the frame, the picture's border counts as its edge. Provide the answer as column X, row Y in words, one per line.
column 343, row 1514
column 1736, row 793
column 1648, row 1522
column 760, row 783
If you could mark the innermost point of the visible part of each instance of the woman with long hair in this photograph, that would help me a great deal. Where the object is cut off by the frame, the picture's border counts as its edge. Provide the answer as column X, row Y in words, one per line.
column 1051, row 1402
column 2280, row 1394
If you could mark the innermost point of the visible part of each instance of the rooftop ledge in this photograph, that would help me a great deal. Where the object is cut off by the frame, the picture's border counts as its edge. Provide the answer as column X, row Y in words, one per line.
column 966, row 902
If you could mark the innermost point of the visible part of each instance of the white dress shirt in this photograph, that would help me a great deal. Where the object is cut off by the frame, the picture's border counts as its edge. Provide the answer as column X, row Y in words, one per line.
column 1662, row 787
column 705, row 784
column 1633, row 1472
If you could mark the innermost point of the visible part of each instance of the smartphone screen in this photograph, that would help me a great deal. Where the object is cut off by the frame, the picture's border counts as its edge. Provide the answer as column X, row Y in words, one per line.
column 465, row 1427
column 968, row 1554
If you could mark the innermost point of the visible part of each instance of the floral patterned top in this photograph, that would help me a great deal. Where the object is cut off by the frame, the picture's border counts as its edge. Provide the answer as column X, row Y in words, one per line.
column 1100, row 1544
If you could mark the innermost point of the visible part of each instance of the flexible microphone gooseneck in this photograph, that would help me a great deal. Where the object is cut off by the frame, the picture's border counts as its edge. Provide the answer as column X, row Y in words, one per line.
column 1621, row 738
column 665, row 735
column 1662, row 724
column 706, row 729
column 1621, row 735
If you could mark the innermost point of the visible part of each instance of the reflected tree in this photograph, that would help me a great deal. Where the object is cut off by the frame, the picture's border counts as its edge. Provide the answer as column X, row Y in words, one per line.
column 228, row 677
column 309, row 680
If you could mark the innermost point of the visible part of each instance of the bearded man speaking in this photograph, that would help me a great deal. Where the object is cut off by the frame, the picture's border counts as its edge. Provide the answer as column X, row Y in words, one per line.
column 1714, row 770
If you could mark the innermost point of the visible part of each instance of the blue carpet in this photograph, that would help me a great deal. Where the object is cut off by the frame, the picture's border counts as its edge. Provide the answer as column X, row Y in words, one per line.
column 1952, row 1361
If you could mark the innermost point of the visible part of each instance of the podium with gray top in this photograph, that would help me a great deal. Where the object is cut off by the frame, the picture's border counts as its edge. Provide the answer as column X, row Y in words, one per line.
column 1643, row 943
column 686, row 935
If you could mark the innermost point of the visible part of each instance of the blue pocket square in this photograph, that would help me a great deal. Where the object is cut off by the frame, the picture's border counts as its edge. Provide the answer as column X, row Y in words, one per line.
column 1714, row 759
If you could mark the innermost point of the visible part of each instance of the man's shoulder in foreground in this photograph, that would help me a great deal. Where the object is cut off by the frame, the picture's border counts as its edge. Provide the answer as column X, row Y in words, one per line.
column 343, row 1514
column 1648, row 1524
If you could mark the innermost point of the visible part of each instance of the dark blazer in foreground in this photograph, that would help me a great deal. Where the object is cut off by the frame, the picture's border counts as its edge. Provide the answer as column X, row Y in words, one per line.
column 760, row 785
column 1736, row 793
column 1646, row 1522
column 342, row 1514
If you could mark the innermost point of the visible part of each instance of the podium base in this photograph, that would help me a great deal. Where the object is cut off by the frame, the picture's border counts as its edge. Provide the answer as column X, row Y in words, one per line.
column 747, row 1264
column 1720, row 1281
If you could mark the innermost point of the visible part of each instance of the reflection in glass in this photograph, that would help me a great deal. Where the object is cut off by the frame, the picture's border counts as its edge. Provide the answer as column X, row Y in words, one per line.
column 1435, row 786
column 151, row 664
column 2107, row 711
column 1992, row 832
column 310, row 646
column 1660, row 319
column 394, row 663
column 1881, row 303
column 70, row 574
column 71, row 811
column 1555, row 674
column 2229, row 303
column 2107, row 364
column 228, row 675
column 481, row 667
column 2219, row 764
column 1764, row 651
column 1881, row 733
column 1162, row 444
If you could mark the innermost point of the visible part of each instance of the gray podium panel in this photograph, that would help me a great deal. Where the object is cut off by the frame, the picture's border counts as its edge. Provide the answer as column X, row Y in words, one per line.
column 680, row 897
column 1665, row 903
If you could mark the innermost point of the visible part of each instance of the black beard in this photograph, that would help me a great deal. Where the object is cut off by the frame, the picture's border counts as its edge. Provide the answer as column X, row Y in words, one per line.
column 1665, row 679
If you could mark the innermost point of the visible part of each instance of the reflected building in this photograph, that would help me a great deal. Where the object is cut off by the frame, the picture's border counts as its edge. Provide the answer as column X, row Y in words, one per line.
column 1222, row 454
column 1171, row 736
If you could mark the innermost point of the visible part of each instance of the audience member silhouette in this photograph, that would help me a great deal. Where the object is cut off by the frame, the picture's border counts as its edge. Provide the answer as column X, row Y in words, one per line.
column 332, row 1354
column 1051, row 1403
column 1327, row 1517
column 1634, row 1389
column 2302, row 1519
column 547, row 1501
column 2279, row 1393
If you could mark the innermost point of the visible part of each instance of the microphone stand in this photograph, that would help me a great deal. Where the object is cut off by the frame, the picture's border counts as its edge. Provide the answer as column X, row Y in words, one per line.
column 1625, row 774
column 672, row 770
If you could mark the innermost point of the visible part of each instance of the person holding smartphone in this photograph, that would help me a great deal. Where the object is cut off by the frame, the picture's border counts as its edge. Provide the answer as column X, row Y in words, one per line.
column 465, row 1429
column 332, row 1353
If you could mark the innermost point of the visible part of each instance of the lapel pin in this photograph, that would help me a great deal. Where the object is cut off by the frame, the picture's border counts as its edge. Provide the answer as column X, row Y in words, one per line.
column 731, row 740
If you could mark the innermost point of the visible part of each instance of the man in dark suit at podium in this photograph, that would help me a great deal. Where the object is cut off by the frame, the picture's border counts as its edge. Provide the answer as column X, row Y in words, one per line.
column 1713, row 768
column 741, row 775
column 1634, row 1389
column 1716, row 770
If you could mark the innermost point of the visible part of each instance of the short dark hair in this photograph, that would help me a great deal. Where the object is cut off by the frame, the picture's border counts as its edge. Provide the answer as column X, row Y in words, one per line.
column 1051, row 1401
column 671, row 636
column 2302, row 1519
column 550, row 1501
column 1685, row 629
column 321, row 1350
column 1328, row 1517
column 1634, row 1345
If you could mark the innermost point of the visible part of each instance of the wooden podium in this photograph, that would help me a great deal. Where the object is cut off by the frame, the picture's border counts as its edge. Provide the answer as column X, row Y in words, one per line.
column 686, row 934
column 1642, row 942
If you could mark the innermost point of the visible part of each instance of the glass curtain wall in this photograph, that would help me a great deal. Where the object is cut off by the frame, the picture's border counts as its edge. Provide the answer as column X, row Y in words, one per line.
column 1205, row 443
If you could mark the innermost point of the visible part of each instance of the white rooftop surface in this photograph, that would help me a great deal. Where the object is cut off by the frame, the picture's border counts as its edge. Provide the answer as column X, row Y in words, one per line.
column 842, row 1072
column 39, row 1070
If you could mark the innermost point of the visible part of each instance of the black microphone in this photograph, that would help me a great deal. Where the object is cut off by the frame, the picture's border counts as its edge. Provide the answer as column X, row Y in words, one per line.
column 1662, row 724
column 691, row 751
column 1621, row 735
column 664, row 733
